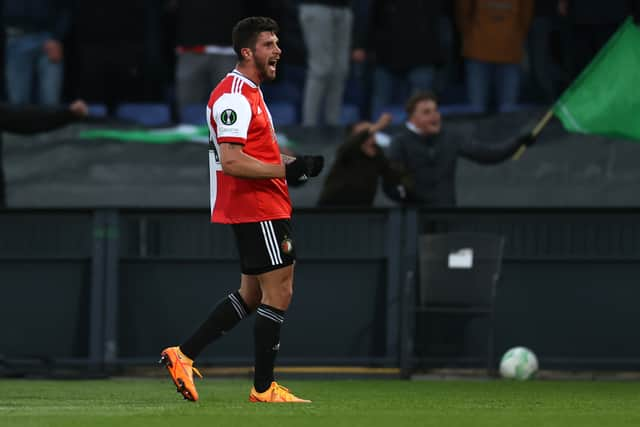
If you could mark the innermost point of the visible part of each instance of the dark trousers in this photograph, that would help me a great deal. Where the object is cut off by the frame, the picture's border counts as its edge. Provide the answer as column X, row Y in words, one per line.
column 112, row 75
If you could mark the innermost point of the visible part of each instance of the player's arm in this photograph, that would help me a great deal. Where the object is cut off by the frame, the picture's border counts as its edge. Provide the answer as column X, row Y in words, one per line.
column 298, row 169
column 232, row 116
column 236, row 162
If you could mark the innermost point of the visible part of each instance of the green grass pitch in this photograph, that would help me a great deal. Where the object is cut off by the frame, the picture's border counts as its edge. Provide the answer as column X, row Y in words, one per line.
column 389, row 403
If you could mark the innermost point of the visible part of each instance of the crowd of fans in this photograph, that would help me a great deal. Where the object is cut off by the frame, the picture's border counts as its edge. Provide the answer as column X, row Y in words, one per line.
column 487, row 55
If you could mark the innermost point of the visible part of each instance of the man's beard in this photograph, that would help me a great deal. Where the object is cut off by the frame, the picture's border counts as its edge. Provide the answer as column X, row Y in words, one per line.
column 263, row 70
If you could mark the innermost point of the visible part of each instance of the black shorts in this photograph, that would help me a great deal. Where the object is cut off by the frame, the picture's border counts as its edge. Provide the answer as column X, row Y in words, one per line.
column 264, row 246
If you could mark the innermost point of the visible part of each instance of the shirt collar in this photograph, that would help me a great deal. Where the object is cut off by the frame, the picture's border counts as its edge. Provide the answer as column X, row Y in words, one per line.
column 246, row 79
column 413, row 128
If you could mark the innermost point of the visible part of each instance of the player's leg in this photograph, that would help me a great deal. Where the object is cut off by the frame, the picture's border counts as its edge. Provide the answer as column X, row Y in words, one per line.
column 277, row 288
column 276, row 284
column 227, row 314
column 250, row 291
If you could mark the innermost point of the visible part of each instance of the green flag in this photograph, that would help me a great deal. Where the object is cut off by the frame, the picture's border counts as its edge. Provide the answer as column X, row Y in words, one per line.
column 171, row 135
column 605, row 98
column 152, row 136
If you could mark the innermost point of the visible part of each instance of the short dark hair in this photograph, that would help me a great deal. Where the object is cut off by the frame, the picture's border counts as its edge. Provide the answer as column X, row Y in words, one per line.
column 410, row 106
column 245, row 32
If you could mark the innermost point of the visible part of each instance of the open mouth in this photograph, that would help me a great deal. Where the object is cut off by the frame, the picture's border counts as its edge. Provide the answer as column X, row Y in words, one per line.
column 272, row 64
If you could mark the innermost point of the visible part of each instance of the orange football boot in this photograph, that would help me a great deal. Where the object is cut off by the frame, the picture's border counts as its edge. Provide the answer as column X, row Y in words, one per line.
column 275, row 394
column 181, row 369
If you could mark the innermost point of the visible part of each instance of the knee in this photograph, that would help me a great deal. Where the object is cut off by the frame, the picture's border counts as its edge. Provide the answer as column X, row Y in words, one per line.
column 341, row 67
column 340, row 75
column 252, row 303
column 280, row 296
column 286, row 293
column 319, row 72
column 251, row 298
column 283, row 295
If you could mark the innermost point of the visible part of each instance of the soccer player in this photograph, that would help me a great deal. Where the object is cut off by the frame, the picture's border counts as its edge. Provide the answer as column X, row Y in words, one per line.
column 249, row 191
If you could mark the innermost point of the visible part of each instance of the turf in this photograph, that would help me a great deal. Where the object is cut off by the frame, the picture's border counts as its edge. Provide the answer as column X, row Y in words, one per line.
column 395, row 403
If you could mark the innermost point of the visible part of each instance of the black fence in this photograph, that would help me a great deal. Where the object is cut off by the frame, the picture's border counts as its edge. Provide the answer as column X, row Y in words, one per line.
column 106, row 288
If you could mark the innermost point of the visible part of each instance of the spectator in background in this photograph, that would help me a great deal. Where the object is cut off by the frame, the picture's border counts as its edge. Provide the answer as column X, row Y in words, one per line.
column 326, row 27
column 118, row 51
column 35, row 30
column 430, row 153
column 204, row 52
column 359, row 164
column 546, row 70
column 592, row 23
column 447, row 74
column 31, row 119
column 358, row 91
column 404, row 39
column 493, row 36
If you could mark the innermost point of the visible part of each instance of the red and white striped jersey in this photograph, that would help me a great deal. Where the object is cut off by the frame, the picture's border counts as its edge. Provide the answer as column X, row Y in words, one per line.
column 236, row 113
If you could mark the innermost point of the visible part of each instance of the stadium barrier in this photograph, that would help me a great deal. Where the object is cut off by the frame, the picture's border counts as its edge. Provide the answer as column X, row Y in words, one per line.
column 106, row 288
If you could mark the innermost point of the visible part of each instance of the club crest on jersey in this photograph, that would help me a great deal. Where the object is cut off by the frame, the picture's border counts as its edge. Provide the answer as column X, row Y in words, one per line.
column 228, row 117
column 286, row 245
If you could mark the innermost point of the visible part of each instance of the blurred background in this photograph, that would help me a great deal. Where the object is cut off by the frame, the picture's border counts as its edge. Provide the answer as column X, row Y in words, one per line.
column 105, row 235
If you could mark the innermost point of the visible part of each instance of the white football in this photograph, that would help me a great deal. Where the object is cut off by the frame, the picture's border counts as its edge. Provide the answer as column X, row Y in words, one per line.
column 518, row 363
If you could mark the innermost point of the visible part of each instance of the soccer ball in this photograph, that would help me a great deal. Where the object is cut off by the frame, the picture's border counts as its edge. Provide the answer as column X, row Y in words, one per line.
column 518, row 363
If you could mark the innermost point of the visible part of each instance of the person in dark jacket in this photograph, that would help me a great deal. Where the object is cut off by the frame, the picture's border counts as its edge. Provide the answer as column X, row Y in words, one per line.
column 31, row 119
column 430, row 153
column 117, row 52
column 359, row 164
column 404, row 42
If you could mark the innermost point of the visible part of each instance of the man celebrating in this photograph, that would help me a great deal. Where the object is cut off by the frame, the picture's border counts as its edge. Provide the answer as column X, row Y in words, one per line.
column 249, row 191
column 359, row 165
column 429, row 154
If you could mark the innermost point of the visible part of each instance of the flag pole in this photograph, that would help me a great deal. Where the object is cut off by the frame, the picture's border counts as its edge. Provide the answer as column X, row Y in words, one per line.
column 542, row 123
column 535, row 132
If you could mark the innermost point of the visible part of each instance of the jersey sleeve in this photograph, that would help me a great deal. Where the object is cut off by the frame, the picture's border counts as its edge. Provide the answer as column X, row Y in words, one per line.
column 232, row 115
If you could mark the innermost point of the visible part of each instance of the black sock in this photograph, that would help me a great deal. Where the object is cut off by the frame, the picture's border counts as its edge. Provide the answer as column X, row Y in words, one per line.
column 267, row 343
column 222, row 319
